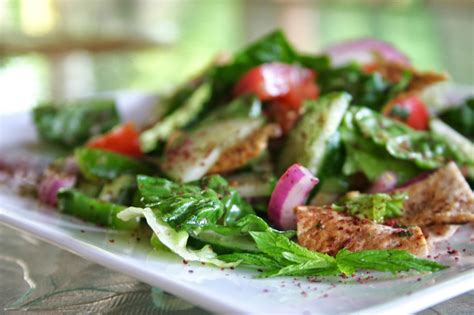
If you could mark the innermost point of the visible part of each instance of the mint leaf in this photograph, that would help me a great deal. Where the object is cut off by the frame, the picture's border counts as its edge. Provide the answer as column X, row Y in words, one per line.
column 257, row 260
column 392, row 260
column 308, row 268
column 286, row 251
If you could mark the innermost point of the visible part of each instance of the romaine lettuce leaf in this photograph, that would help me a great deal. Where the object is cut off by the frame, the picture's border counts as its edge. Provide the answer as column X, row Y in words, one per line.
column 209, row 201
column 73, row 124
column 98, row 164
column 174, row 240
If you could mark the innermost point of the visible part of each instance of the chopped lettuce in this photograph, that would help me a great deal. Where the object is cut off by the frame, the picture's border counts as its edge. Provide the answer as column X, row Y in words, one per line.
column 73, row 124
column 98, row 164
column 366, row 89
column 425, row 149
column 176, row 241
column 375, row 144
column 368, row 157
column 209, row 201
column 375, row 207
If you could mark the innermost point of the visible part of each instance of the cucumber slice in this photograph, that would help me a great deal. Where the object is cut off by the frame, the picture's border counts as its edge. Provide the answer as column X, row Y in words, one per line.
column 309, row 141
column 454, row 138
column 191, row 155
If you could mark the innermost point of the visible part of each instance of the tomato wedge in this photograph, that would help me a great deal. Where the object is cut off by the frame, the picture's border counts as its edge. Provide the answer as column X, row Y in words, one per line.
column 410, row 110
column 287, row 84
column 122, row 139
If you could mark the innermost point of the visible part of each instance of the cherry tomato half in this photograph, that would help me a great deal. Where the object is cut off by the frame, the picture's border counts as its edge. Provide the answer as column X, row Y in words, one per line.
column 410, row 110
column 122, row 139
column 287, row 84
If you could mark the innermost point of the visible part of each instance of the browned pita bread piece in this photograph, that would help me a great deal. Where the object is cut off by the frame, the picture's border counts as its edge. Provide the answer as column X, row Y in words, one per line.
column 247, row 149
column 444, row 197
column 324, row 230
column 393, row 71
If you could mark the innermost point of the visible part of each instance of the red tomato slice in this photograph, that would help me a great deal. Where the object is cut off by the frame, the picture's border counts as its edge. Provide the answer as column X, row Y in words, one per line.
column 287, row 84
column 122, row 139
column 410, row 110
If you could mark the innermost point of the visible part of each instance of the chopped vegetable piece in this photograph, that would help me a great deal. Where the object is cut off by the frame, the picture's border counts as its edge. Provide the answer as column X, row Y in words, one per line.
column 73, row 124
column 97, row 164
column 364, row 51
column 62, row 173
column 189, row 156
column 90, row 209
column 198, row 204
column 375, row 207
column 410, row 110
column 288, row 84
column 178, row 119
column 122, row 139
column 386, row 182
column 175, row 241
column 291, row 190
column 308, row 141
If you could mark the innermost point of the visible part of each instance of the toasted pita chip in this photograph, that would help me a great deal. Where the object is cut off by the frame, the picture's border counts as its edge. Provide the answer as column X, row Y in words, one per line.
column 324, row 230
column 394, row 71
column 444, row 197
column 247, row 149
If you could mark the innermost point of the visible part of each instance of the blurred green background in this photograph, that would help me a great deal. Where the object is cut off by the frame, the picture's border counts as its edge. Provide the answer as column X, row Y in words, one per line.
column 71, row 48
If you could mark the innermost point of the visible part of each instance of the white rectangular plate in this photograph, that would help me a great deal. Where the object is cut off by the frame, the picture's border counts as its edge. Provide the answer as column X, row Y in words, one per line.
column 230, row 291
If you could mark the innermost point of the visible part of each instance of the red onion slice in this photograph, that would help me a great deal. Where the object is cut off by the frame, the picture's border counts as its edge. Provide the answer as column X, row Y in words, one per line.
column 291, row 190
column 50, row 186
column 56, row 177
column 416, row 179
column 362, row 51
column 386, row 182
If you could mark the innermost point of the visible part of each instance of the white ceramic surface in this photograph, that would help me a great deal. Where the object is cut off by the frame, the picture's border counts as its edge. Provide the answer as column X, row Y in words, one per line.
column 230, row 291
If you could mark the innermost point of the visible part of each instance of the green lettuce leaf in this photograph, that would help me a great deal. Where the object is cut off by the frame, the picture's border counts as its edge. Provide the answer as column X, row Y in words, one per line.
column 363, row 155
column 72, row 124
column 424, row 148
column 207, row 202
column 369, row 90
column 375, row 207
column 176, row 241
column 97, row 164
